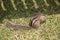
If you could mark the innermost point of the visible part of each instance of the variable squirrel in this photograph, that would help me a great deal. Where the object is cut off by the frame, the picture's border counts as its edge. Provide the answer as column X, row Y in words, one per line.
column 35, row 22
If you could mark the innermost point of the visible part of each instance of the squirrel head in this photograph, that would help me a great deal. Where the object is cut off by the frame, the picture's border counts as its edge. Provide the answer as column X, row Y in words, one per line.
column 42, row 17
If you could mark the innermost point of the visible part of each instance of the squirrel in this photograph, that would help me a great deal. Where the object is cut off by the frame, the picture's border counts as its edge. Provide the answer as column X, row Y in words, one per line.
column 35, row 22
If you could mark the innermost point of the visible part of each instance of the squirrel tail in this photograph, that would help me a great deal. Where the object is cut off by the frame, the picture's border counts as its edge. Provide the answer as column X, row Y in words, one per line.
column 16, row 26
column 9, row 24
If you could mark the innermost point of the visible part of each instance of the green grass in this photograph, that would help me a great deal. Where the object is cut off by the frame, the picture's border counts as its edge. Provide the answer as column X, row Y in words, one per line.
column 52, row 26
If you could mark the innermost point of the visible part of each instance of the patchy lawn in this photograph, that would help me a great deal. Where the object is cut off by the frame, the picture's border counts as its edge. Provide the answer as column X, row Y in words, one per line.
column 52, row 26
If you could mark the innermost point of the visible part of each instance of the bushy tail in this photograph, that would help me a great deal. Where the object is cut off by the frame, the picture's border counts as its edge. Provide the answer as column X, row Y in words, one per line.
column 9, row 24
column 16, row 26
